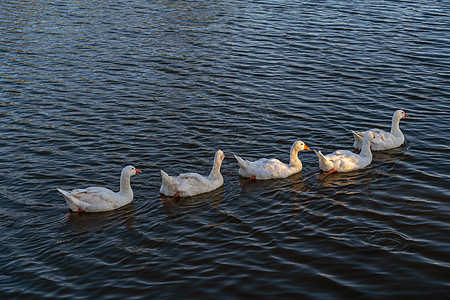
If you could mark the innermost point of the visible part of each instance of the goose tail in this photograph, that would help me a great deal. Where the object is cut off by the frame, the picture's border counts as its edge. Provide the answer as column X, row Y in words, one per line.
column 166, row 180
column 322, row 160
column 168, row 188
column 73, row 203
column 242, row 163
column 245, row 166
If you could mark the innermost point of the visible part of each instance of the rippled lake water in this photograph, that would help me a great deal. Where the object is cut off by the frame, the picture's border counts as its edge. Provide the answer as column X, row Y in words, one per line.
column 88, row 87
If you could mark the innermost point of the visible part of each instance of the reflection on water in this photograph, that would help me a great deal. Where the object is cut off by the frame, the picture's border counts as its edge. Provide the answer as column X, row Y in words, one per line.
column 360, row 177
column 389, row 156
column 184, row 205
column 86, row 222
column 296, row 183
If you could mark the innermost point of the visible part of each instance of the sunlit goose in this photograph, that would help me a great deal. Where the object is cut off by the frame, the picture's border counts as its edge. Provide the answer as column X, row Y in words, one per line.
column 191, row 184
column 264, row 168
column 97, row 199
column 384, row 140
column 347, row 161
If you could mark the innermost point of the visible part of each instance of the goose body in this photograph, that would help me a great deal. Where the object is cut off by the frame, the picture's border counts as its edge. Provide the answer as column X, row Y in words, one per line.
column 191, row 184
column 264, row 168
column 384, row 140
column 347, row 161
column 98, row 199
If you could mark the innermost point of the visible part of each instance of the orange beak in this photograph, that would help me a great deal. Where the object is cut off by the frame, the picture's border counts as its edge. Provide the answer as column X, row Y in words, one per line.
column 406, row 116
column 306, row 148
column 137, row 171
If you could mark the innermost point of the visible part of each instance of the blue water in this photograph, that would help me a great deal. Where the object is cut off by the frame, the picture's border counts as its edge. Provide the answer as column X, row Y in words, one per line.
column 87, row 88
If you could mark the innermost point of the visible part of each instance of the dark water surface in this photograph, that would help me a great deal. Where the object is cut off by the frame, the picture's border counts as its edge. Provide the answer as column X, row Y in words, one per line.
column 88, row 87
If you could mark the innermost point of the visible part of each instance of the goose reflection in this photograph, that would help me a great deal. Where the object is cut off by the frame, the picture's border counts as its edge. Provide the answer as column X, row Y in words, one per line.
column 389, row 156
column 295, row 182
column 344, row 179
column 179, row 206
column 300, row 182
column 85, row 222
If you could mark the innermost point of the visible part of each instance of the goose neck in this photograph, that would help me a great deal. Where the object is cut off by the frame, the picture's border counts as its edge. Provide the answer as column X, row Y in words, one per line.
column 365, row 149
column 294, row 160
column 215, row 172
column 125, row 184
column 395, row 127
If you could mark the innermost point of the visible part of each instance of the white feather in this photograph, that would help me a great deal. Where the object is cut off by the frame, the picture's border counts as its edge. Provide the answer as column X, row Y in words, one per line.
column 264, row 168
column 384, row 140
column 191, row 184
column 97, row 199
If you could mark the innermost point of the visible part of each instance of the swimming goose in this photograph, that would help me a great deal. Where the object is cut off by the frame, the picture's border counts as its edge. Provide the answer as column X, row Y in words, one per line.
column 191, row 184
column 384, row 140
column 97, row 199
column 347, row 161
column 265, row 168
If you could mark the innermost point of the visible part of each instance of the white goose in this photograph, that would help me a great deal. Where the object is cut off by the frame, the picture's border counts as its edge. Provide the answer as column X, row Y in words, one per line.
column 97, row 199
column 191, row 184
column 347, row 161
column 265, row 168
column 384, row 140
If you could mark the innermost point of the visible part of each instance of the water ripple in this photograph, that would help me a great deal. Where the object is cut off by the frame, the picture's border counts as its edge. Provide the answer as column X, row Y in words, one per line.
column 87, row 89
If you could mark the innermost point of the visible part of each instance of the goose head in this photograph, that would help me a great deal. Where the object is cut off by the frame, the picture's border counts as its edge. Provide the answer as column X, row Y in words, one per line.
column 400, row 114
column 368, row 137
column 299, row 145
column 129, row 171
column 219, row 156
